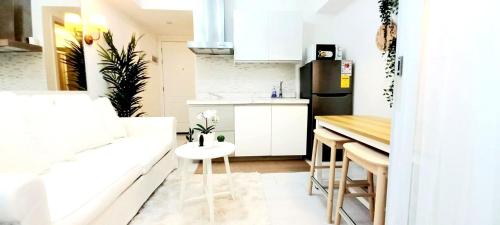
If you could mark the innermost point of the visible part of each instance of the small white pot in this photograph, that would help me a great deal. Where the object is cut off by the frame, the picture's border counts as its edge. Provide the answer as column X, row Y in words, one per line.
column 208, row 140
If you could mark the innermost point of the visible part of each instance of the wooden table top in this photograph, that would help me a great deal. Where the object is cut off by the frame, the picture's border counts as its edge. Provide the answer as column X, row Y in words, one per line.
column 373, row 127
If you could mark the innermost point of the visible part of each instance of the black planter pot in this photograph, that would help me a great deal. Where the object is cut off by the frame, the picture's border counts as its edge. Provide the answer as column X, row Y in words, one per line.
column 201, row 140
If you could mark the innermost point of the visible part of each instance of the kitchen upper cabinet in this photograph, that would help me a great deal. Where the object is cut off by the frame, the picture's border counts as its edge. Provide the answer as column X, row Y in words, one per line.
column 250, row 41
column 285, row 36
column 252, row 125
column 273, row 36
column 289, row 129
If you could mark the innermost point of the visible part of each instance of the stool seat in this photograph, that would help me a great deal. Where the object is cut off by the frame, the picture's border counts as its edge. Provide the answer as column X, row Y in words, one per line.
column 324, row 133
column 376, row 164
column 367, row 154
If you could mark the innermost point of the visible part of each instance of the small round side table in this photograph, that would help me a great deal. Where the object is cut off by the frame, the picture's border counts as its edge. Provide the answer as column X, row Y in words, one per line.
column 191, row 151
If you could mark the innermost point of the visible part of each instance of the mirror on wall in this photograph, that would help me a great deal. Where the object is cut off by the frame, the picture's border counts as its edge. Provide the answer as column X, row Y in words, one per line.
column 41, row 47
column 63, row 47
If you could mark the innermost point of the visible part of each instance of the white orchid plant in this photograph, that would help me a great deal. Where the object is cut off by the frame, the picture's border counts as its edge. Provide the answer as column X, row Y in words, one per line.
column 208, row 115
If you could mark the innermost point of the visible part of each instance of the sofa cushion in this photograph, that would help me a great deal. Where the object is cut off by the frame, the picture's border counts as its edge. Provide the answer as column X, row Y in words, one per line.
column 16, row 154
column 71, row 186
column 110, row 119
column 83, row 122
column 48, row 134
column 148, row 150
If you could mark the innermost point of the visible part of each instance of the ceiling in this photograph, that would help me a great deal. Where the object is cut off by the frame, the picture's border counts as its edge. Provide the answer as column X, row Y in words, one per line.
column 159, row 22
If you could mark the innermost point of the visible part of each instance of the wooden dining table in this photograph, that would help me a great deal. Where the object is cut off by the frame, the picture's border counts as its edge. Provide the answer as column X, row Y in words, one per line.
column 369, row 130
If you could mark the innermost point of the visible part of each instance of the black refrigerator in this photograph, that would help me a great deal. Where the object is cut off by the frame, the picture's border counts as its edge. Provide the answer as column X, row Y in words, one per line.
column 328, row 84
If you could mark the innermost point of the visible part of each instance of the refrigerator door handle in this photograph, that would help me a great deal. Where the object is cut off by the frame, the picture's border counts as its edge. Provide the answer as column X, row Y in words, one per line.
column 333, row 95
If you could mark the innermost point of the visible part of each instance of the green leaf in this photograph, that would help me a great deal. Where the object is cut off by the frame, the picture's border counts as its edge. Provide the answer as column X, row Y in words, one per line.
column 75, row 62
column 125, row 72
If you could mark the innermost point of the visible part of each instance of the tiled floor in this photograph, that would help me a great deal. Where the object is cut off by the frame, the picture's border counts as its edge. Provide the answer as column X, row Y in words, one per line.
column 289, row 203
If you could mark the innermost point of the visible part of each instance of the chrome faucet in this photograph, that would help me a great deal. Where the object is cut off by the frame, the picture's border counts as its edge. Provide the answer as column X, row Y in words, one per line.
column 281, row 90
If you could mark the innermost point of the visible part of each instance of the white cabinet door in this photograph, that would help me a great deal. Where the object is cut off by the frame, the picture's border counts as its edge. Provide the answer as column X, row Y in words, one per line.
column 249, row 36
column 289, row 129
column 252, row 125
column 285, row 36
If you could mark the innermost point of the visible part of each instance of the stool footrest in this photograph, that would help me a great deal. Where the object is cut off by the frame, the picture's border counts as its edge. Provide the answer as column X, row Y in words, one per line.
column 336, row 184
column 326, row 167
column 346, row 217
column 359, row 194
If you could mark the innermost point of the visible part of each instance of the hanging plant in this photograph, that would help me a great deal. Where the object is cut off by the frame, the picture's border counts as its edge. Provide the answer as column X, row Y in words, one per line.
column 386, row 42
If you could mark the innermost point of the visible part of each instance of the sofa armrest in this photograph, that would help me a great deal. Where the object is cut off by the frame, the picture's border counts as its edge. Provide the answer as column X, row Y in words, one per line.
column 151, row 126
column 23, row 200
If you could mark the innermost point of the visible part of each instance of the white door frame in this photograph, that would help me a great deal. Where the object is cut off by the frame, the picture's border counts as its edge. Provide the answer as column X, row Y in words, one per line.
column 405, row 112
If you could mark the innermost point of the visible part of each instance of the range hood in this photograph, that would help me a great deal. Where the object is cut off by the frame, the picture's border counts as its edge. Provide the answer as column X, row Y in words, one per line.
column 7, row 45
column 15, row 26
column 209, row 29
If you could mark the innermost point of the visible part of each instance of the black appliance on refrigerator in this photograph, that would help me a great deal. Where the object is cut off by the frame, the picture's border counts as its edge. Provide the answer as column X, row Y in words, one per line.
column 328, row 84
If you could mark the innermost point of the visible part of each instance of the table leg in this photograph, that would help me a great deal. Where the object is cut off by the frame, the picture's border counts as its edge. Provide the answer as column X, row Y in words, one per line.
column 204, row 174
column 183, row 181
column 228, row 172
column 209, row 187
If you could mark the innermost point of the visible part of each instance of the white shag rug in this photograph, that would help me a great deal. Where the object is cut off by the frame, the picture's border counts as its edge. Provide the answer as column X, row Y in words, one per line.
column 249, row 207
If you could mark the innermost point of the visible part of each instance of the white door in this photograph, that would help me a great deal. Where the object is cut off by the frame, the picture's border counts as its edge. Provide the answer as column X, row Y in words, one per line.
column 444, row 148
column 289, row 129
column 252, row 125
column 178, row 81
column 409, row 44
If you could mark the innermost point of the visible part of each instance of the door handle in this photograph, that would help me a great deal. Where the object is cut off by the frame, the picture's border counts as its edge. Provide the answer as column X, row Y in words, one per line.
column 400, row 66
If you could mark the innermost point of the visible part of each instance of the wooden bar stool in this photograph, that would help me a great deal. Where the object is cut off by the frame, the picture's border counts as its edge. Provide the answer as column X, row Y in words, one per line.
column 334, row 141
column 376, row 164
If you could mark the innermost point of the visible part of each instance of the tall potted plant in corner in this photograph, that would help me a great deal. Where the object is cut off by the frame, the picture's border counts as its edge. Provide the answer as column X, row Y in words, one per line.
column 125, row 73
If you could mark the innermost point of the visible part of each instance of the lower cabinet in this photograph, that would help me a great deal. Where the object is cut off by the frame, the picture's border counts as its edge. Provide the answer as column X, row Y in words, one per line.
column 252, row 130
column 270, row 130
column 288, row 130
column 260, row 130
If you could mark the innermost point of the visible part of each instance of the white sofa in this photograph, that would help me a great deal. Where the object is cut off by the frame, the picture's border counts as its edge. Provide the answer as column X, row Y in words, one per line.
column 66, row 159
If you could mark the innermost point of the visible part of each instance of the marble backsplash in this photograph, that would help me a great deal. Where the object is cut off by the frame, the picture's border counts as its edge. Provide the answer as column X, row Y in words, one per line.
column 22, row 71
column 219, row 77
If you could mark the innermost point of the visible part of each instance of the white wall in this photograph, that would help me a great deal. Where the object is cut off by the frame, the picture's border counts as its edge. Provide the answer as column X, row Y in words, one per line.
column 219, row 75
column 354, row 29
column 122, row 28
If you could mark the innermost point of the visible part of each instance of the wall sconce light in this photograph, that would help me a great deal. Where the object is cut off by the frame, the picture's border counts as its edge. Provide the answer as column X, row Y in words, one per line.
column 73, row 23
column 96, row 24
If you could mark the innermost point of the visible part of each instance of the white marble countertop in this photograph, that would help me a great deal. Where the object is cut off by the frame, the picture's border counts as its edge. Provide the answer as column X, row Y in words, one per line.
column 257, row 101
